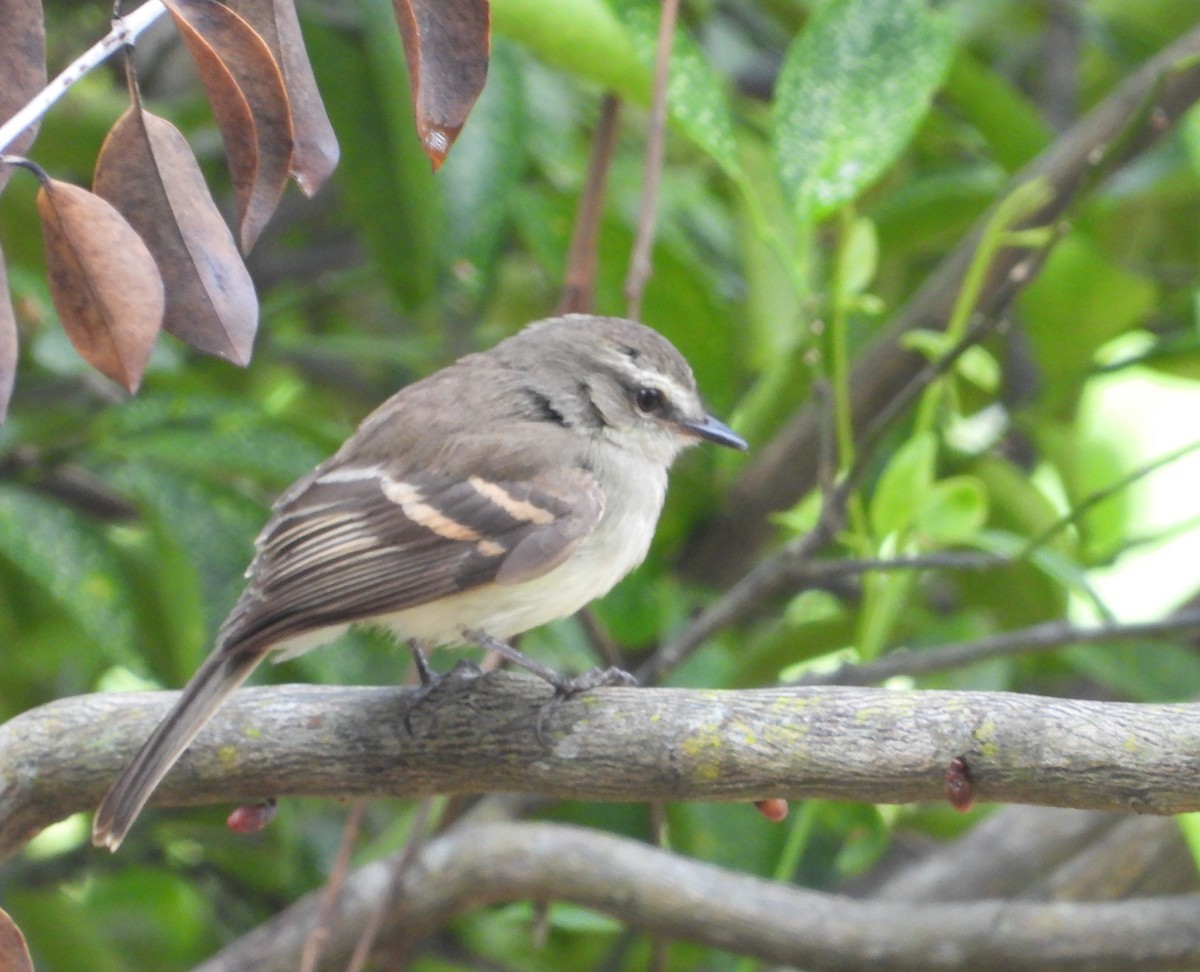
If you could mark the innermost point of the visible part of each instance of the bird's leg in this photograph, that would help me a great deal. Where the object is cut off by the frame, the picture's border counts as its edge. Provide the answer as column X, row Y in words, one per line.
column 431, row 679
column 563, row 686
column 428, row 676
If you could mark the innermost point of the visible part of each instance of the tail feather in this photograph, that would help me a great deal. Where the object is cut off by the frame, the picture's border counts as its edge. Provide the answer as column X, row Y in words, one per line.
column 220, row 674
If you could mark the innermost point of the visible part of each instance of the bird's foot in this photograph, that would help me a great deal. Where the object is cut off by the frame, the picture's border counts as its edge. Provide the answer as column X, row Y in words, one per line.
column 463, row 670
column 593, row 678
column 565, row 687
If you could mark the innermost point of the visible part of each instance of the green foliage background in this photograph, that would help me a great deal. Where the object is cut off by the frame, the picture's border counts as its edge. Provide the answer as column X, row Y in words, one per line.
column 125, row 524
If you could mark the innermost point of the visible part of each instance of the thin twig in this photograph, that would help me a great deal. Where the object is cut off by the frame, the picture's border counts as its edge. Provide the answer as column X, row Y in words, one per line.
column 314, row 945
column 658, row 838
column 656, row 138
column 124, row 31
column 413, row 846
column 1099, row 496
column 1038, row 637
column 817, row 572
column 605, row 647
column 579, row 291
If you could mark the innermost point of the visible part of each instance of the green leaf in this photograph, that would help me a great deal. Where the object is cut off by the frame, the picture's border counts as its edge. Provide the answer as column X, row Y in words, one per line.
column 932, row 344
column 953, row 511
column 1012, row 125
column 803, row 516
column 209, row 524
column 71, row 559
column 886, row 594
column 582, row 37
column 1065, row 572
column 904, row 483
column 1189, row 823
column 979, row 366
column 612, row 43
column 1145, row 671
column 860, row 258
column 212, row 437
column 830, row 661
column 854, row 87
column 1081, row 299
column 930, row 211
column 696, row 99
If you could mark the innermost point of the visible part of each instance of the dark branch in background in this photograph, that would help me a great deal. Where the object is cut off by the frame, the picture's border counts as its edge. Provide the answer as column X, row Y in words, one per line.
column 579, row 292
column 479, row 735
column 1007, row 644
column 69, row 483
column 665, row 894
column 402, row 864
column 1129, row 121
column 318, row 934
column 656, row 140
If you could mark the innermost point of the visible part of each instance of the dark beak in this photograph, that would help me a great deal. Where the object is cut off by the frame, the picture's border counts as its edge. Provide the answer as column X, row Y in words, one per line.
column 715, row 431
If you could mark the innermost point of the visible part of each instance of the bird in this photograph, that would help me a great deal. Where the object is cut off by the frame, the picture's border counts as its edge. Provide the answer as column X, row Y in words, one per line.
column 506, row 490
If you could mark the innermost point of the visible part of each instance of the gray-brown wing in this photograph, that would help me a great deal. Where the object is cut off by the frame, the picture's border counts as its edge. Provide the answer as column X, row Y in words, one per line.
column 356, row 542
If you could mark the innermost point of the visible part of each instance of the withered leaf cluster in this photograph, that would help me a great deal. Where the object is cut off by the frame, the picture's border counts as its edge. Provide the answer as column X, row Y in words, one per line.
column 147, row 248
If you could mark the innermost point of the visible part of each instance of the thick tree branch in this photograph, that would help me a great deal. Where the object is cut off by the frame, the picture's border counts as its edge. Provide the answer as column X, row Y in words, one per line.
column 669, row 895
column 479, row 735
column 1124, row 125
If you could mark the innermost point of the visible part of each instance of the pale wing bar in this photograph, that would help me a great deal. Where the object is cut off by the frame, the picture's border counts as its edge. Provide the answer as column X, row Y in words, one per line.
column 366, row 541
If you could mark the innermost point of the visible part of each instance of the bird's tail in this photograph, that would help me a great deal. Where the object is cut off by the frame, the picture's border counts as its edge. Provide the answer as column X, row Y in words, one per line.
column 221, row 673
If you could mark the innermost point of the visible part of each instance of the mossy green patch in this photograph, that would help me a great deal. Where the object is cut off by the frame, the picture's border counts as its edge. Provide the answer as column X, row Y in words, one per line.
column 704, row 749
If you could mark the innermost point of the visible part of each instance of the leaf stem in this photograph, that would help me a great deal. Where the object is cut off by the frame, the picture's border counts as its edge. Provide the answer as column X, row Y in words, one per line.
column 837, row 352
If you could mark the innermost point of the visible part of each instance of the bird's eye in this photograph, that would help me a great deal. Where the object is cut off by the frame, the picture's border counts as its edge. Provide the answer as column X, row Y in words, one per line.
column 649, row 399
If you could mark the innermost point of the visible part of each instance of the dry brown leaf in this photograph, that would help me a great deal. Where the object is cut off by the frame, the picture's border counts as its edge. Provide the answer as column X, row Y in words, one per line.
column 103, row 281
column 14, row 953
column 8, row 354
column 315, row 154
column 245, row 88
column 148, row 172
column 22, row 67
column 446, row 44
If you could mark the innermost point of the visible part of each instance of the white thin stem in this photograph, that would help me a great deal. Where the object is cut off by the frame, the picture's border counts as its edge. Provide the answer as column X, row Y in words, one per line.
column 124, row 31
